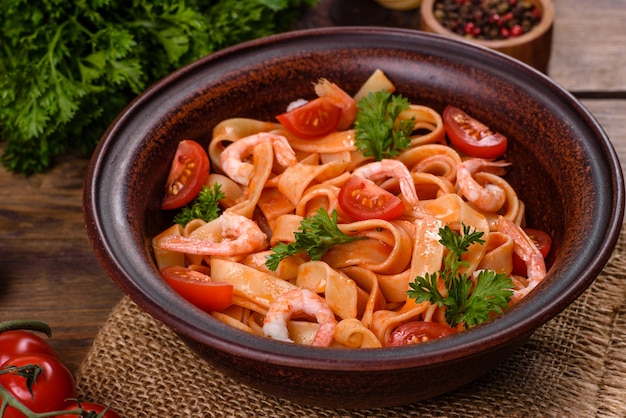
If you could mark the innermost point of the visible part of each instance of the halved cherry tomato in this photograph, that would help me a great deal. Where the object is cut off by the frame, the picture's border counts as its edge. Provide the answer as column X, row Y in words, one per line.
column 472, row 137
column 418, row 331
column 93, row 409
column 542, row 240
column 198, row 288
column 362, row 199
column 15, row 343
column 339, row 98
column 316, row 118
column 188, row 173
column 51, row 390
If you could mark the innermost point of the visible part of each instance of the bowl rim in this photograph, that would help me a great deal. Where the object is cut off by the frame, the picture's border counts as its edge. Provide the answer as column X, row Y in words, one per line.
column 544, row 26
column 223, row 337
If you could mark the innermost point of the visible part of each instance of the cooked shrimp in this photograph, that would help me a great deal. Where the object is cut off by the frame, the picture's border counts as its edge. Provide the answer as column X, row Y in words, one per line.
column 300, row 301
column 490, row 197
column 232, row 157
column 380, row 170
column 526, row 249
column 341, row 99
column 238, row 235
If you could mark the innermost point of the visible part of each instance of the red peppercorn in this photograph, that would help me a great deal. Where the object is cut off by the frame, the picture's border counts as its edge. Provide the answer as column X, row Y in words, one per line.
column 516, row 30
column 495, row 18
column 504, row 32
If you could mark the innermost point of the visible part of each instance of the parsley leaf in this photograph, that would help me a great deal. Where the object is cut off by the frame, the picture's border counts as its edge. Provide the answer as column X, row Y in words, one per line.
column 468, row 302
column 205, row 206
column 377, row 135
column 317, row 234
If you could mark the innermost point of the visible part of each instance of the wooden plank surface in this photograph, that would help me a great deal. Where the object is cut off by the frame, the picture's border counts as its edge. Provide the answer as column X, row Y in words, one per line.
column 48, row 270
column 589, row 46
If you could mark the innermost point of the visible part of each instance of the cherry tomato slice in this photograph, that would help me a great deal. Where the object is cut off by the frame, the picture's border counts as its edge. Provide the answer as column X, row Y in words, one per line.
column 95, row 409
column 15, row 343
column 472, row 137
column 339, row 98
column 198, row 288
column 362, row 199
column 188, row 173
column 418, row 331
column 542, row 240
column 50, row 391
column 316, row 118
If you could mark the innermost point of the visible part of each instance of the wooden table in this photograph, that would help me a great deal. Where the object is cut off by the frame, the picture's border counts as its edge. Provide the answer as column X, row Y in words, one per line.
column 49, row 272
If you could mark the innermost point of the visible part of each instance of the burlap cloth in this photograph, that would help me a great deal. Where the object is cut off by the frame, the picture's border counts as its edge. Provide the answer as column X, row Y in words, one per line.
column 573, row 366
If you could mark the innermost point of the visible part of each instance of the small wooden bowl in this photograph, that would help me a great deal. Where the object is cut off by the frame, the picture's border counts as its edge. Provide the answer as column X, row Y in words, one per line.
column 533, row 48
column 400, row 4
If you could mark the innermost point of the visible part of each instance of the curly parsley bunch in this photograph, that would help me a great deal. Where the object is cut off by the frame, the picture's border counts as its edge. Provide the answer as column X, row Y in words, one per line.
column 67, row 68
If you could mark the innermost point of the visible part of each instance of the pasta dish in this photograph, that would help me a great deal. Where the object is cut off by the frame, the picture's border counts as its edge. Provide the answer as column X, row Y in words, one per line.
column 334, row 226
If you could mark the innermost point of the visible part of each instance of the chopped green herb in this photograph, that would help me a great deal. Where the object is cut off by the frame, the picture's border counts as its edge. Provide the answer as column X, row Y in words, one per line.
column 317, row 234
column 468, row 302
column 377, row 134
column 205, row 206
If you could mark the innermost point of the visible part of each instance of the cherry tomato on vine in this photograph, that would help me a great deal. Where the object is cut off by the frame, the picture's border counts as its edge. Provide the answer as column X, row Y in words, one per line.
column 418, row 331
column 15, row 343
column 542, row 240
column 51, row 389
column 316, row 118
column 198, row 288
column 93, row 409
column 362, row 199
column 472, row 137
column 188, row 173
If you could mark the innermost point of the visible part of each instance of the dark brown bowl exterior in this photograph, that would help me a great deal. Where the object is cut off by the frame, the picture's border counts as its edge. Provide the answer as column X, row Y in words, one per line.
column 563, row 165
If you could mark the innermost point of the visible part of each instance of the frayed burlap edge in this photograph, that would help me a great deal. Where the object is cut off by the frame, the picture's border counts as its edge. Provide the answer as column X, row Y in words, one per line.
column 573, row 366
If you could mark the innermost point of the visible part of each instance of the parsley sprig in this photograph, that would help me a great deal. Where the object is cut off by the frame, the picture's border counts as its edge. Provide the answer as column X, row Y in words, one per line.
column 468, row 302
column 377, row 134
column 205, row 206
column 317, row 234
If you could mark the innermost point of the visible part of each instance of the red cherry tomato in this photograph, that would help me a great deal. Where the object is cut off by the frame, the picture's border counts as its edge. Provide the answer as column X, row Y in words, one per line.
column 188, row 173
column 316, row 118
column 15, row 343
column 339, row 98
column 362, row 199
column 51, row 390
column 472, row 137
column 93, row 409
column 418, row 331
column 198, row 288
column 542, row 240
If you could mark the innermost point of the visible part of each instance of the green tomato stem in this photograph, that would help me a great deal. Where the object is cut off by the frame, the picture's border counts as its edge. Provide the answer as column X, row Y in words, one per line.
column 9, row 400
column 26, row 324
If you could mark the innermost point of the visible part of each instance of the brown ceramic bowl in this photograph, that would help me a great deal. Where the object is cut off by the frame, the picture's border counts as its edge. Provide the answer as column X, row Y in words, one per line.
column 563, row 164
column 534, row 48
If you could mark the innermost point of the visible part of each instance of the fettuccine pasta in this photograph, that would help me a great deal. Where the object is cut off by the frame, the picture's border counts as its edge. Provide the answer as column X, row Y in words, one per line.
column 355, row 296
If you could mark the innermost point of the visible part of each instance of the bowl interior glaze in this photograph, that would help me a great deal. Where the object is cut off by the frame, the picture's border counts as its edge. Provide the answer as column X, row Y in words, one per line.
column 564, row 168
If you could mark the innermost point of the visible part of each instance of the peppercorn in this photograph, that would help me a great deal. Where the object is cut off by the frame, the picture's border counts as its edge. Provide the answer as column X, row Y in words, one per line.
column 487, row 19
